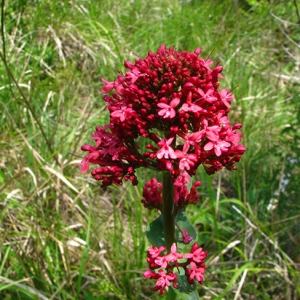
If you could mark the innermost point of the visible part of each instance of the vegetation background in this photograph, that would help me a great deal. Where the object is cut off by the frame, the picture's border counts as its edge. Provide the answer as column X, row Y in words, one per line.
column 61, row 236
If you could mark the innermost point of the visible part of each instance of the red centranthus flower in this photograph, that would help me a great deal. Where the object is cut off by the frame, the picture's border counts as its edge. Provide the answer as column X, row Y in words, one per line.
column 168, row 114
column 152, row 193
column 171, row 100
column 168, row 263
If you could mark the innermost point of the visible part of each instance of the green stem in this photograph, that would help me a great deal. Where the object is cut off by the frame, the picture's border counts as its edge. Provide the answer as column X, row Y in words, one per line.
column 168, row 210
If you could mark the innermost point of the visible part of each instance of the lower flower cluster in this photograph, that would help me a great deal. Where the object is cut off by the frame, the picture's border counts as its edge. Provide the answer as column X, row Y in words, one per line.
column 165, row 263
column 152, row 193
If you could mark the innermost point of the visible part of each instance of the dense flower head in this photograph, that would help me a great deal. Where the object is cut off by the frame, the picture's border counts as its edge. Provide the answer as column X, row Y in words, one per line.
column 166, row 112
column 152, row 193
column 168, row 263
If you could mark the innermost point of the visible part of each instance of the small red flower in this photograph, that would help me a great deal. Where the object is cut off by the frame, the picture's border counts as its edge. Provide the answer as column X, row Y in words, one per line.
column 168, row 111
column 152, row 193
column 226, row 97
column 173, row 256
column 197, row 254
column 196, row 272
column 164, row 281
column 124, row 113
column 194, row 267
column 166, row 151
column 186, row 160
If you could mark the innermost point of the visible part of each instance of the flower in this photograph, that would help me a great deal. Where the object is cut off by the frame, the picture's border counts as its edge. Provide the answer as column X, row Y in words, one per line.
column 195, row 272
column 167, row 113
column 165, row 280
column 173, row 256
column 212, row 133
column 153, row 254
column 194, row 139
column 123, row 113
column 165, row 150
column 197, row 254
column 152, row 193
column 186, row 238
column 226, row 96
column 170, row 263
column 218, row 146
column 208, row 96
column 186, row 160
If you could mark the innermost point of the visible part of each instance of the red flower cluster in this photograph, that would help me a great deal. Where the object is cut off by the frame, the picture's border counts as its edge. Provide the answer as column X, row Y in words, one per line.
column 192, row 263
column 152, row 193
column 170, row 103
column 166, row 113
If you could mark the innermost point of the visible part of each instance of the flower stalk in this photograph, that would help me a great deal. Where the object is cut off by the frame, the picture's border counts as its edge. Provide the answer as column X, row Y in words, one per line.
column 168, row 210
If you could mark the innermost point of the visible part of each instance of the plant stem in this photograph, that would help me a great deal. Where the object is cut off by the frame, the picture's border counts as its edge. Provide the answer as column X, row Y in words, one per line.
column 168, row 210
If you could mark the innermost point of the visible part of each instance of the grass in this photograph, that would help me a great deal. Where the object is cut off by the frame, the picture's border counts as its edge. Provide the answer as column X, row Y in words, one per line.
column 62, row 237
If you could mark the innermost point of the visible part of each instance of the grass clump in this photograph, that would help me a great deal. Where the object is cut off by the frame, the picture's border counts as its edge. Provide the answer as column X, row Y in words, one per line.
column 64, row 238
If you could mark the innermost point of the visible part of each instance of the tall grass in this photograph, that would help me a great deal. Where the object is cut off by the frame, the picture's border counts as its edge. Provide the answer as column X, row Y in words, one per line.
column 62, row 237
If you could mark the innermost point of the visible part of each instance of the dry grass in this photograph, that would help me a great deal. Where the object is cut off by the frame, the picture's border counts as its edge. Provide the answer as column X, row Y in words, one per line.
column 64, row 238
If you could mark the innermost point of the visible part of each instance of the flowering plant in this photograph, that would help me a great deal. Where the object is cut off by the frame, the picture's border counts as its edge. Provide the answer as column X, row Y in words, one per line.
column 168, row 114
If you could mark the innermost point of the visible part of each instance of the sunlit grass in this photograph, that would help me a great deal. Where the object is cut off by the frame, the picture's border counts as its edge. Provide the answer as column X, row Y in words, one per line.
column 62, row 237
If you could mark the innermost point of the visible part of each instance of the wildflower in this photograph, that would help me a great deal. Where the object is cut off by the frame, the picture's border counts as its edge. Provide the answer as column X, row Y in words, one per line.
column 197, row 254
column 218, row 146
column 167, row 111
column 195, row 272
column 152, row 193
column 212, row 133
column 208, row 96
column 165, row 280
column 166, row 150
column 194, row 267
column 165, row 263
column 186, row 238
column 155, row 252
column 226, row 96
column 169, row 102
column 123, row 113
column 194, row 139
column 186, row 160
column 173, row 256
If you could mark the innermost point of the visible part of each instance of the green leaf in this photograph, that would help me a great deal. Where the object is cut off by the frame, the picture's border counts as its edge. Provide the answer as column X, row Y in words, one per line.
column 185, row 290
column 184, row 286
column 155, row 232
column 184, row 224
